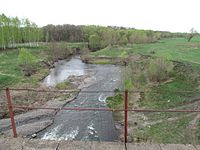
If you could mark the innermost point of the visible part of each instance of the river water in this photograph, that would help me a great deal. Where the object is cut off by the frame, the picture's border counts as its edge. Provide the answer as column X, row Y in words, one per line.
column 84, row 125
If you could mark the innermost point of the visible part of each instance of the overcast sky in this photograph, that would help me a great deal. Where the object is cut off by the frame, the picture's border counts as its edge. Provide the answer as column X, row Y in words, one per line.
column 167, row 15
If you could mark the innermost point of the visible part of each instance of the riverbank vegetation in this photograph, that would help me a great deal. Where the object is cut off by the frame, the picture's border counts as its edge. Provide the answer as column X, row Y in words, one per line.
column 26, row 68
column 168, row 73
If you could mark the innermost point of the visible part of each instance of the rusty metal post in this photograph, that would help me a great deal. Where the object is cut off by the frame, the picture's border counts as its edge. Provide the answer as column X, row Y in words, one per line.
column 125, row 115
column 9, row 99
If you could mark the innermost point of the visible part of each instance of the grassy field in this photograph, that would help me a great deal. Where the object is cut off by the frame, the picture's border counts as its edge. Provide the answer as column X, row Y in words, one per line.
column 10, row 72
column 172, row 49
column 185, row 77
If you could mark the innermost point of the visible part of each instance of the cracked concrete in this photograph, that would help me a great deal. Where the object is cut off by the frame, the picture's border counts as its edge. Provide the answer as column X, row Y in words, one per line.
column 36, row 144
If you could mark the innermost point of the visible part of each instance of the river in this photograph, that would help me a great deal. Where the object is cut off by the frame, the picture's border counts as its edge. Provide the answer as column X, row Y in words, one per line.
column 84, row 125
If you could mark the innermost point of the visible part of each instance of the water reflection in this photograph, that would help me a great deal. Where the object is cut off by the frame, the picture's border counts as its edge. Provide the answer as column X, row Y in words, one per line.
column 63, row 69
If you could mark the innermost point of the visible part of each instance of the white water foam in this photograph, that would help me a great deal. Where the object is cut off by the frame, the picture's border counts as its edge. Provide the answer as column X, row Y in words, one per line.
column 91, row 129
column 53, row 134
column 102, row 98
column 71, row 135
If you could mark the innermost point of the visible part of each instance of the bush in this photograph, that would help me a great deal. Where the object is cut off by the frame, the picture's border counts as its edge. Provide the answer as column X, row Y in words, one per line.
column 116, row 101
column 159, row 70
column 94, row 42
column 64, row 85
column 59, row 51
column 27, row 62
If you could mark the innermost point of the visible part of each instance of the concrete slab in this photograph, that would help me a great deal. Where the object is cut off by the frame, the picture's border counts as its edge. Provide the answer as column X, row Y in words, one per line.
column 142, row 146
column 177, row 147
column 78, row 145
column 30, row 128
column 2, row 140
column 12, row 144
column 197, row 147
column 36, row 144
column 40, row 145
column 81, row 145
column 108, row 146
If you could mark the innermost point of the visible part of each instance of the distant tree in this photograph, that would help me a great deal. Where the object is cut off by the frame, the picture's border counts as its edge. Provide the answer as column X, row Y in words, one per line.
column 123, row 40
column 14, row 31
column 106, row 37
column 2, row 38
column 193, row 32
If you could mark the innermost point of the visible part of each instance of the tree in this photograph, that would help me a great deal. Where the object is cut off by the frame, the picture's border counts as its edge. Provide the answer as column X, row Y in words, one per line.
column 106, row 38
column 2, row 42
column 94, row 42
column 193, row 32
column 123, row 40
column 14, row 31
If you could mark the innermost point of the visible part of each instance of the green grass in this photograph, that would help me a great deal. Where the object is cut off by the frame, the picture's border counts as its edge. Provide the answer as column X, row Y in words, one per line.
column 165, row 97
column 66, row 85
column 166, row 132
column 111, row 52
column 173, row 49
column 115, row 101
column 101, row 61
column 10, row 72
column 73, row 45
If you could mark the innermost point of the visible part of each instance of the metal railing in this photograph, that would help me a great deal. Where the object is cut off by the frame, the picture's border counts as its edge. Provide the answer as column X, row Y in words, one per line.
column 10, row 106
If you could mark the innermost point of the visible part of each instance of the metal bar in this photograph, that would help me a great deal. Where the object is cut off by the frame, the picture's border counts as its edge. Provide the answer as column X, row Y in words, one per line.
column 59, row 91
column 66, row 91
column 67, row 108
column 9, row 99
column 107, row 109
column 125, row 115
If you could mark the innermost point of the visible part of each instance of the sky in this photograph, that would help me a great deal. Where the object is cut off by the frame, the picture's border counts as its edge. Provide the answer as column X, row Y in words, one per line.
column 163, row 15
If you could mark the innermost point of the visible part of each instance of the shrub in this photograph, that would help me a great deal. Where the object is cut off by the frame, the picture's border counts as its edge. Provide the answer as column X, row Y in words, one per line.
column 116, row 101
column 159, row 70
column 27, row 62
column 58, row 51
column 94, row 42
column 64, row 85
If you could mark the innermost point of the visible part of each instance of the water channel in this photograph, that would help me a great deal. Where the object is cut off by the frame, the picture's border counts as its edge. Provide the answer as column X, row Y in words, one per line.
column 84, row 125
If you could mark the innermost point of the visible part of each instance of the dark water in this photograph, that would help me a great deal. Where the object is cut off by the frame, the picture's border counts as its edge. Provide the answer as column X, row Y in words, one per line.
column 87, row 125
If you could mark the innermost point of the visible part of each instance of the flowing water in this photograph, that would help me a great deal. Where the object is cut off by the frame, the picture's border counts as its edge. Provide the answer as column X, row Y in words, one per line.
column 84, row 125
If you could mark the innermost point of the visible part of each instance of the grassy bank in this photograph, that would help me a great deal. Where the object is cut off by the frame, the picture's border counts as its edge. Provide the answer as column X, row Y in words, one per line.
column 162, row 93
column 177, row 49
column 12, row 74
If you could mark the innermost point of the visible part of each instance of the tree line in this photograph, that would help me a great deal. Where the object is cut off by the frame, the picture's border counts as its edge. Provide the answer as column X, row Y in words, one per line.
column 99, row 37
column 15, row 32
